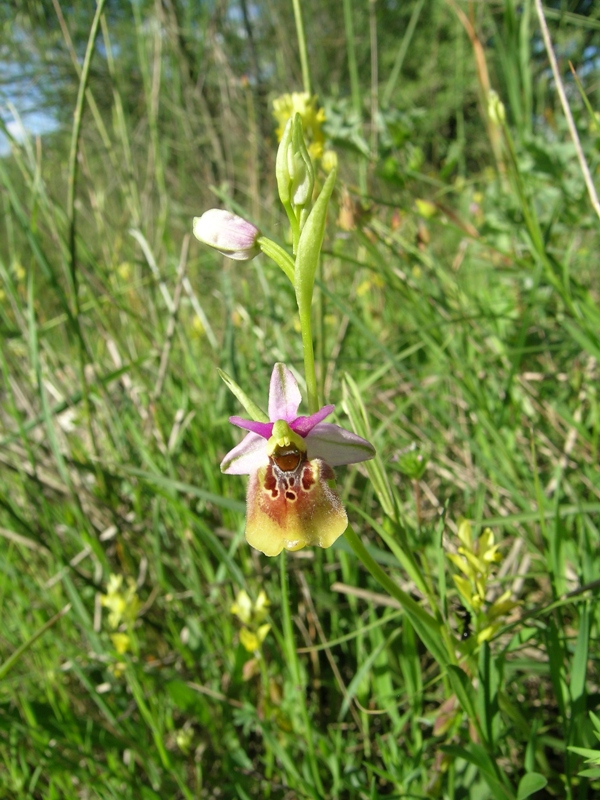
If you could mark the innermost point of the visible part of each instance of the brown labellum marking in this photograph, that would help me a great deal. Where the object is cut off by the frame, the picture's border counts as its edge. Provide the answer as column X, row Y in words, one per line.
column 307, row 478
column 271, row 482
column 290, row 495
column 287, row 459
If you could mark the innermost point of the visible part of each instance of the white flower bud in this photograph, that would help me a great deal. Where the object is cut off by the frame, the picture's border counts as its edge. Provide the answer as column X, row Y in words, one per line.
column 231, row 235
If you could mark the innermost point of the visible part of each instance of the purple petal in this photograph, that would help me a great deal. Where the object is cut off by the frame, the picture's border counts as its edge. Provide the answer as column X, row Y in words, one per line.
column 264, row 429
column 248, row 456
column 337, row 446
column 284, row 395
column 304, row 425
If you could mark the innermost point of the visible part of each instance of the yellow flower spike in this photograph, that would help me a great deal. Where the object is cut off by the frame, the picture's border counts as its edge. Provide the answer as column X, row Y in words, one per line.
column 477, row 564
column 462, row 564
column 114, row 600
column 464, row 589
column 480, row 585
column 502, row 605
column 488, row 551
column 242, row 608
column 464, row 534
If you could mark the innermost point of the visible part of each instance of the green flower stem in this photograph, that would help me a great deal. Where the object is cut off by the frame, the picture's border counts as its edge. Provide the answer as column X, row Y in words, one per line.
column 294, row 225
column 309, row 361
column 269, row 754
column 307, row 260
column 280, row 256
column 302, row 46
column 294, row 664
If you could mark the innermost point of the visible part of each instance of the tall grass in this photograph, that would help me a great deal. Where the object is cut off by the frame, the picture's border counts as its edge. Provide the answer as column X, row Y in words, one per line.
column 458, row 312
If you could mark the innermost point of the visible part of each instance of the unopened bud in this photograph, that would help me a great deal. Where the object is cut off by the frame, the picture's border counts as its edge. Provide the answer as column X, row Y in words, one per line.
column 231, row 235
column 294, row 168
column 496, row 110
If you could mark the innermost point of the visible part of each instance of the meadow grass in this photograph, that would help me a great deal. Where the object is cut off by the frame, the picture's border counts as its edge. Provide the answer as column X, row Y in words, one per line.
column 456, row 319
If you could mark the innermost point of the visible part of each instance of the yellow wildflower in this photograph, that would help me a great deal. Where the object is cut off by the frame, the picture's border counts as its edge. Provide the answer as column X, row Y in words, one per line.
column 123, row 604
column 252, row 640
column 121, row 642
column 475, row 560
column 286, row 105
column 242, row 608
column 253, row 633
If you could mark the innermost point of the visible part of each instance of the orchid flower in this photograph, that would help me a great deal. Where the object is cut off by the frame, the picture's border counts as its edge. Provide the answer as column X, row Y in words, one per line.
column 290, row 502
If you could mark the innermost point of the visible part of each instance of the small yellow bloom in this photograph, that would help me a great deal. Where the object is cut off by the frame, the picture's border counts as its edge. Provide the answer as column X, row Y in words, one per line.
column 253, row 633
column 329, row 160
column 121, row 642
column 124, row 270
column 425, row 208
column 242, row 608
column 19, row 271
column 123, row 604
column 183, row 739
column 284, row 108
column 252, row 640
column 261, row 607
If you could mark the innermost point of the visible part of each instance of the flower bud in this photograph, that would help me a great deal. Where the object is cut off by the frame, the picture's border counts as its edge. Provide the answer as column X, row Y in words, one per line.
column 496, row 110
column 231, row 235
column 294, row 168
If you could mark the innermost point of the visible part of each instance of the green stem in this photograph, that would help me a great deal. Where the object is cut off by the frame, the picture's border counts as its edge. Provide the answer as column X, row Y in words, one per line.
column 355, row 86
column 277, row 254
column 72, row 170
column 302, row 46
column 309, row 359
column 292, row 657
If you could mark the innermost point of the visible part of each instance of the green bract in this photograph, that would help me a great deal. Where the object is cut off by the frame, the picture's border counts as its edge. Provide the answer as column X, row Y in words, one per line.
column 309, row 245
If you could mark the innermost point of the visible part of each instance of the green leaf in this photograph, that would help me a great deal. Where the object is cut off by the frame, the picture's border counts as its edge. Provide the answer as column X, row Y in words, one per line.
column 254, row 412
column 530, row 784
column 476, row 755
column 463, row 689
column 309, row 245
column 592, row 756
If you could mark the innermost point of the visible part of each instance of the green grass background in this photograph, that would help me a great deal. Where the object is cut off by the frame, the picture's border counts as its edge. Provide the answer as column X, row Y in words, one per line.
column 468, row 325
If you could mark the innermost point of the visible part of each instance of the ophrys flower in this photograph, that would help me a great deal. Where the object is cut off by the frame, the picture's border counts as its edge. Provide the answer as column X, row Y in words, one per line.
column 290, row 502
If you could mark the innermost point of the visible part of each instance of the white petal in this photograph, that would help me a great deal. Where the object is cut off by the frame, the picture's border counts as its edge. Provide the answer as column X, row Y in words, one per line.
column 284, row 394
column 248, row 456
column 337, row 446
